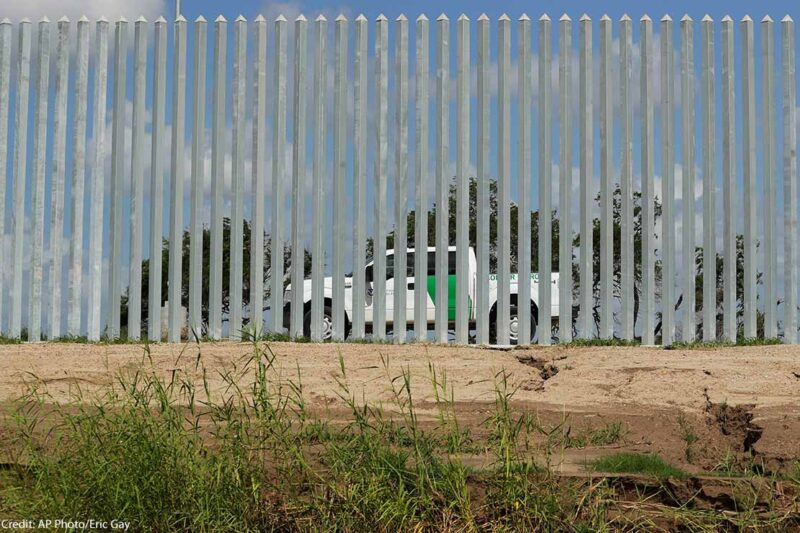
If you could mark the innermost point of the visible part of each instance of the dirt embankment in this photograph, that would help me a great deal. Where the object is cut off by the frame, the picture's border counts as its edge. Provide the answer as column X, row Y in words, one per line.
column 694, row 407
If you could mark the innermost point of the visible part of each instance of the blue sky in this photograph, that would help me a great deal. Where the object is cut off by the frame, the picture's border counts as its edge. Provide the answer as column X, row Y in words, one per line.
column 231, row 9
column 473, row 8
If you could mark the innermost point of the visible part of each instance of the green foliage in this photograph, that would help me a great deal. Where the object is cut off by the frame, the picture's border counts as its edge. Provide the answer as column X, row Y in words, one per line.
column 9, row 340
column 712, row 345
column 226, row 261
column 586, row 343
column 758, row 341
column 698, row 345
column 132, row 455
column 609, row 434
column 636, row 463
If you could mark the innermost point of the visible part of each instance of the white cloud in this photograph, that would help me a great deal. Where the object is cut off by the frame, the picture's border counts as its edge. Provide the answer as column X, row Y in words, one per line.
column 74, row 9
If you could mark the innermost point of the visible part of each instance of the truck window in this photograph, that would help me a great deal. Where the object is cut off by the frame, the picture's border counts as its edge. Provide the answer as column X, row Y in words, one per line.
column 410, row 265
column 390, row 266
column 451, row 263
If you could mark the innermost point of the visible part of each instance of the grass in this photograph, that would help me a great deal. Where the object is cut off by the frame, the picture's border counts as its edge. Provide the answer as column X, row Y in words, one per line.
column 758, row 341
column 561, row 435
column 609, row 434
column 712, row 345
column 168, row 453
column 583, row 343
column 73, row 339
column 637, row 463
column 250, row 336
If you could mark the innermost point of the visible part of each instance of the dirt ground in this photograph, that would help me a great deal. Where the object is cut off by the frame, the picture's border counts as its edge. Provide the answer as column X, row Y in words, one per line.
column 743, row 401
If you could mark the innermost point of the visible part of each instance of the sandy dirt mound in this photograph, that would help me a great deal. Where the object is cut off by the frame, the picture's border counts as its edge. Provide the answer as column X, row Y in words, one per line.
column 578, row 378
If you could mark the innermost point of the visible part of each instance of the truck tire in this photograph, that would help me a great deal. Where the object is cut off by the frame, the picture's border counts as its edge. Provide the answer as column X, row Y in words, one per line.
column 513, row 326
column 327, row 320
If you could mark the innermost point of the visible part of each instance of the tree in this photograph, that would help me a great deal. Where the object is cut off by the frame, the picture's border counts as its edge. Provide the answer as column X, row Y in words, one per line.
column 226, row 260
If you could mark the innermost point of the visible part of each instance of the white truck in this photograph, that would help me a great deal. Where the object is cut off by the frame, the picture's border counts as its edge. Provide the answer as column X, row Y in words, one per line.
column 430, row 290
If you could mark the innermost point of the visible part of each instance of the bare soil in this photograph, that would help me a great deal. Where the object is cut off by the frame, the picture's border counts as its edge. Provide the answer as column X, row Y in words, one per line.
column 698, row 409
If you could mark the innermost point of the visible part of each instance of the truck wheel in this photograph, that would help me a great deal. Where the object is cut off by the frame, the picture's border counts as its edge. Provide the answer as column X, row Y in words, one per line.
column 513, row 325
column 327, row 324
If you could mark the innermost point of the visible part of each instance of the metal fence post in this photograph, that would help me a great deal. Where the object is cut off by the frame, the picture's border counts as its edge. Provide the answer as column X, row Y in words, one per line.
column 278, row 169
column 174, row 289
column 768, row 161
column 98, row 181
column 482, row 222
column 523, row 183
column 648, row 196
column 627, row 285
column 380, row 175
column 688, row 326
column 545, row 182
column 259, row 176
column 709, row 182
column 5, row 80
column 217, row 178
column 667, row 183
column 157, row 180
column 565, row 180
column 606, row 182
column 117, row 177
column 789, row 178
column 80, row 89
column 502, row 310
column 238, row 92
column 441, row 301
column 359, row 176
column 319, row 178
column 137, row 178
column 729, row 320
column 340, row 141
column 298, row 174
column 401, row 181
column 462, row 180
column 195, row 329
column 37, row 180
column 58, row 175
column 421, row 181
column 586, row 133
column 749, row 168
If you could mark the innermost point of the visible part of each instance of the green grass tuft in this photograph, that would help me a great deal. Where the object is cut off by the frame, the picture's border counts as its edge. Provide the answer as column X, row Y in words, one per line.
column 713, row 345
column 636, row 463
column 758, row 341
column 609, row 434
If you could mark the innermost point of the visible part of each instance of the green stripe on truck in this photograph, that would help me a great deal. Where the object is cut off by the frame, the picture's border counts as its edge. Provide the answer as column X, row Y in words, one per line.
column 451, row 296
